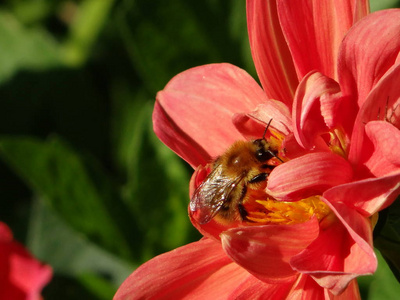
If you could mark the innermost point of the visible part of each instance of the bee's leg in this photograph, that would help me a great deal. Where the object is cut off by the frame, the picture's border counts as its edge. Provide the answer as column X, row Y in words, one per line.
column 258, row 178
column 274, row 155
column 243, row 212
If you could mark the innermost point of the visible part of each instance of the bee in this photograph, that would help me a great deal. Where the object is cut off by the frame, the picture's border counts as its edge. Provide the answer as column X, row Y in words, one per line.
column 237, row 175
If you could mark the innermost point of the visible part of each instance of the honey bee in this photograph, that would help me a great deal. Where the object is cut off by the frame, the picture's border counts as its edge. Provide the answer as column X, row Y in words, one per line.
column 237, row 175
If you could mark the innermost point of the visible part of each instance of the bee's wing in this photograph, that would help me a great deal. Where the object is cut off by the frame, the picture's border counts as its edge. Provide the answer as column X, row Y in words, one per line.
column 212, row 193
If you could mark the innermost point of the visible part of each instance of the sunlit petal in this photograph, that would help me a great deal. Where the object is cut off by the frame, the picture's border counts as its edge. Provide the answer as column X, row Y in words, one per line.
column 252, row 125
column 314, row 108
column 341, row 256
column 200, row 270
column 314, row 41
column 381, row 104
column 368, row 51
column 308, row 175
column 270, row 52
column 265, row 251
column 366, row 196
column 193, row 114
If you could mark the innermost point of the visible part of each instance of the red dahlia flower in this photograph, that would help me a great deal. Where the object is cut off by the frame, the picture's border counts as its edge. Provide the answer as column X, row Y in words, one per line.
column 330, row 85
column 22, row 277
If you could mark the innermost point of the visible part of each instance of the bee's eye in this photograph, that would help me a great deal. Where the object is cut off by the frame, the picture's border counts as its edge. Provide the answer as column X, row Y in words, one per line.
column 263, row 155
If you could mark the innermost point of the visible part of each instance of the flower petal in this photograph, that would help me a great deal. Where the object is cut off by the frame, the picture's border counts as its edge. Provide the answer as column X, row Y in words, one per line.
column 308, row 175
column 306, row 288
column 291, row 147
column 252, row 125
column 344, row 250
column 253, row 288
column 193, row 114
column 381, row 104
column 271, row 55
column 352, row 292
column 368, row 51
column 22, row 276
column 366, row 196
column 385, row 138
column 265, row 251
column 313, row 108
column 315, row 29
column 200, row 270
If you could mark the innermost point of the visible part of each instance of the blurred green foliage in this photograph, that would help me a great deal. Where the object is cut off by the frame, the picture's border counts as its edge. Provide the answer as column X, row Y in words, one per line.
column 85, row 184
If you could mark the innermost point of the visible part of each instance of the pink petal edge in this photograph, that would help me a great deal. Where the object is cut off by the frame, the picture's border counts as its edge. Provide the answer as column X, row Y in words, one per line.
column 315, row 29
column 270, row 53
column 265, row 251
column 381, row 104
column 367, row 196
column 343, row 249
column 308, row 175
column 200, row 270
column 314, row 108
column 368, row 51
column 193, row 114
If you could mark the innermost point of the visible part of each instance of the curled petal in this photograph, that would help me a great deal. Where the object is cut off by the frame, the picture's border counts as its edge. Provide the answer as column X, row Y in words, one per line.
column 200, row 270
column 265, row 251
column 343, row 249
column 314, row 30
column 381, row 104
column 352, row 292
column 270, row 52
column 252, row 125
column 314, row 108
column 367, row 196
column 385, row 157
column 249, row 127
column 291, row 147
column 307, row 288
column 308, row 175
column 193, row 114
column 368, row 51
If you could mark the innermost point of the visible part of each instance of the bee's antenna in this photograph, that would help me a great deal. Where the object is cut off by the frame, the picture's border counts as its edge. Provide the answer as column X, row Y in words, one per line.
column 266, row 128
column 269, row 151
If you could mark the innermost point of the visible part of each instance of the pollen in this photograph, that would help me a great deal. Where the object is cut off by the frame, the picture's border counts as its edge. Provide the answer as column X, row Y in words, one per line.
column 271, row 211
column 337, row 142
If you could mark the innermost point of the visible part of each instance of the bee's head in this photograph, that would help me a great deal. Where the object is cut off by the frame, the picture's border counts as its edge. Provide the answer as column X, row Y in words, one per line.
column 262, row 150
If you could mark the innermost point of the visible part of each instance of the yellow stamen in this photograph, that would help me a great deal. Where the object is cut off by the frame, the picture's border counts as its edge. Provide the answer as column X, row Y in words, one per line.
column 271, row 211
column 338, row 142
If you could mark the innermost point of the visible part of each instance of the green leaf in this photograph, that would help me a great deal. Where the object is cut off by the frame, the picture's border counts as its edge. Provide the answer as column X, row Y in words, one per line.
column 24, row 48
column 71, row 254
column 157, row 180
column 387, row 236
column 385, row 285
column 56, row 173
column 84, row 30
column 381, row 285
column 238, row 29
column 98, row 286
column 383, row 4
column 163, row 40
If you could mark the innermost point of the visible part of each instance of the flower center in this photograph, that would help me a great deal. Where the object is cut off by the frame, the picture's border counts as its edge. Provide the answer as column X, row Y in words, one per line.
column 338, row 142
column 271, row 211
